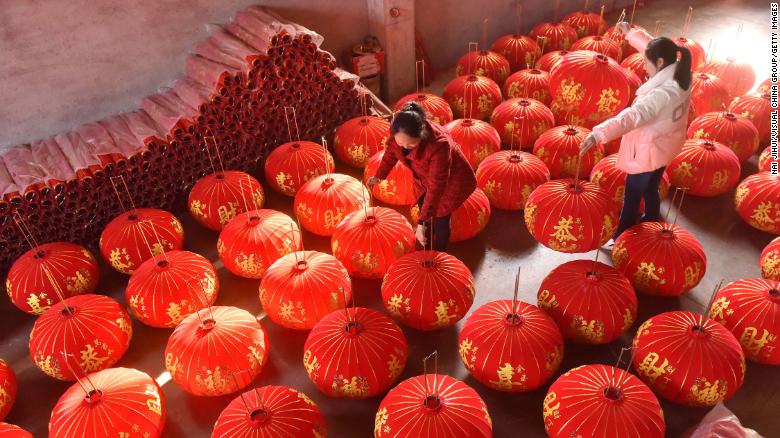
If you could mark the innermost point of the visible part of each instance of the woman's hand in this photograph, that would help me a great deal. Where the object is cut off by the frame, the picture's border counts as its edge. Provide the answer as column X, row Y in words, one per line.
column 420, row 234
column 587, row 143
column 372, row 182
column 623, row 27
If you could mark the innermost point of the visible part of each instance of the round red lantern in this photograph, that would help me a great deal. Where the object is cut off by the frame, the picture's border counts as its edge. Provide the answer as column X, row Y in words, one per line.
column 599, row 44
column 698, row 56
column 558, row 36
column 510, row 349
column 472, row 96
column 291, row 164
column 588, row 88
column 770, row 260
column 301, row 288
column 575, row 216
column 550, row 59
column 612, row 147
column 168, row 287
column 466, row 221
column 475, row 138
column 688, row 358
column 705, row 168
column 606, row 175
column 635, row 63
column 208, row 350
column 428, row 290
column 520, row 50
column 217, row 198
column 591, row 302
column 136, row 235
column 432, row 405
column 758, row 109
column 355, row 353
column 94, row 329
column 765, row 160
column 120, row 402
column 750, row 309
column 520, row 122
column 585, row 23
column 483, row 63
column 708, row 93
column 357, row 139
column 758, row 201
column 734, row 131
column 765, row 87
column 397, row 188
column 660, row 258
column 531, row 83
column 437, row 109
column 739, row 75
column 8, row 388
column 559, row 149
column 270, row 411
column 604, row 401
column 368, row 241
column 508, row 177
column 13, row 431
column 252, row 241
column 73, row 270
column 324, row 201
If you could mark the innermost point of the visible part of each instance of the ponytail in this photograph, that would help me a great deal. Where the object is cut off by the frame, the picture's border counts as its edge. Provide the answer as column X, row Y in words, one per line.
column 667, row 50
column 411, row 120
column 683, row 74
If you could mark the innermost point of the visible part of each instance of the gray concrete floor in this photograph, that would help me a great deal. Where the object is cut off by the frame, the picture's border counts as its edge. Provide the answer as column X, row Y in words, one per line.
column 732, row 249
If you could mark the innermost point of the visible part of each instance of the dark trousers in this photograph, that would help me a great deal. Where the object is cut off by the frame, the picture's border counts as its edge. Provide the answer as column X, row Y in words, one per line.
column 437, row 230
column 641, row 186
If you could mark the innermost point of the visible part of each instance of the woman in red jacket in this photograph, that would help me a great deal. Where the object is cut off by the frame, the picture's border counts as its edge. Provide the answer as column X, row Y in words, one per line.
column 443, row 178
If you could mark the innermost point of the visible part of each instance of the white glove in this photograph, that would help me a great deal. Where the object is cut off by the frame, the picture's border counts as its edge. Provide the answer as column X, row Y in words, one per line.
column 420, row 234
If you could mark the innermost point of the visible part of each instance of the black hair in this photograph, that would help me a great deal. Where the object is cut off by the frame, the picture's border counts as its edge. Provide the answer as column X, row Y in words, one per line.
column 667, row 50
column 411, row 120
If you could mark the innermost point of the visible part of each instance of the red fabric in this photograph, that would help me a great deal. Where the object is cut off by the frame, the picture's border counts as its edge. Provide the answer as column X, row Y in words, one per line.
column 441, row 172
column 8, row 386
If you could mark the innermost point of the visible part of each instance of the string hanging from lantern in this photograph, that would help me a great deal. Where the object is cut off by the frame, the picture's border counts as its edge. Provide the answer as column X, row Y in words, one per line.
column 612, row 39
column 657, row 28
column 515, row 317
column 687, row 21
column 149, row 221
column 601, row 19
column 250, row 412
column 557, row 11
column 633, row 12
column 614, row 388
column 83, row 374
column 484, row 34
column 432, row 400
column 287, row 110
column 519, row 17
column 706, row 310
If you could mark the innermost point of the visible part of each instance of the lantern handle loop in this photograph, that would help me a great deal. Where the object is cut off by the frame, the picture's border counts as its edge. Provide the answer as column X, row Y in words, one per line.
column 241, row 393
column 633, row 12
column 325, row 155
column 484, row 34
column 601, row 20
column 617, row 365
column 687, row 21
column 612, row 38
column 515, row 316
column 218, row 152
column 291, row 110
column 435, row 356
column 679, row 207
column 84, row 374
column 657, row 29
column 512, row 137
column 708, row 307
column 417, row 67
column 519, row 17
column 24, row 229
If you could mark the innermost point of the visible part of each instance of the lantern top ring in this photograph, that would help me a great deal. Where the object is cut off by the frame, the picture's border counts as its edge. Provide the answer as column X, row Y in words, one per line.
column 93, row 396
column 513, row 319
column 432, row 402
column 612, row 393
column 774, row 295
column 698, row 331
column 259, row 416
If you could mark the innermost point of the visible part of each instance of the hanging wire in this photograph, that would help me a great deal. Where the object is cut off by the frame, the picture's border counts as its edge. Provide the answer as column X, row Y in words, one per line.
column 83, row 373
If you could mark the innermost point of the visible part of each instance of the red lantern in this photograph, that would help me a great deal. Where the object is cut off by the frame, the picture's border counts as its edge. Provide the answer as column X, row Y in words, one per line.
column 765, row 160
column 508, row 177
column 208, row 350
column 708, row 93
column 599, row 44
column 770, row 260
column 635, row 63
column 606, row 175
column 519, row 50
column 559, row 149
column 8, row 388
column 475, row 138
column 513, row 350
column 532, row 83
column 739, row 75
column 73, row 269
column 136, row 235
column 357, row 353
column 520, row 122
column 570, row 217
column 591, row 302
column 619, row 38
column 705, row 168
column 292, row 164
column 120, row 402
column 472, row 96
column 270, row 411
column 323, row 202
column 765, row 87
column 301, row 288
column 698, row 56
column 585, row 23
column 432, row 405
column 468, row 220
column 428, row 290
column 688, row 358
column 357, row 139
column 750, row 309
column 168, row 287
column 95, row 329
column 659, row 258
column 756, row 108
column 397, row 188
column 558, row 36
column 483, row 63
column 588, row 88
column 252, row 241
column 368, row 241
column 550, row 59
column 612, row 147
column 437, row 108
column 217, row 198
column 13, row 431
column 603, row 401
column 758, row 201
column 735, row 132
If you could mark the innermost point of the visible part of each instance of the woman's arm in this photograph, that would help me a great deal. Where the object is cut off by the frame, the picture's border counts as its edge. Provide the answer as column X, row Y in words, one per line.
column 642, row 112
column 439, row 173
column 638, row 39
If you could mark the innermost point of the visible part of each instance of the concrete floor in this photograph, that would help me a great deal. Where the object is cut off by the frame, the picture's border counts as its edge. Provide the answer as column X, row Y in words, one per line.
column 732, row 249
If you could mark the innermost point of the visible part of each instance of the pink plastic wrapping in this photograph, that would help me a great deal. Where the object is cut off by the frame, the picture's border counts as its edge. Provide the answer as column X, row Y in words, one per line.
column 124, row 140
column 22, row 167
column 720, row 422
column 206, row 72
column 167, row 109
column 247, row 27
column 279, row 24
column 210, row 50
column 7, row 184
column 51, row 160
column 192, row 93
column 229, row 44
column 99, row 140
column 143, row 127
column 77, row 151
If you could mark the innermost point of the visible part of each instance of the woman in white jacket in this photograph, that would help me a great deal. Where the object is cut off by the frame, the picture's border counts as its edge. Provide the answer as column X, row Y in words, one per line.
column 653, row 127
